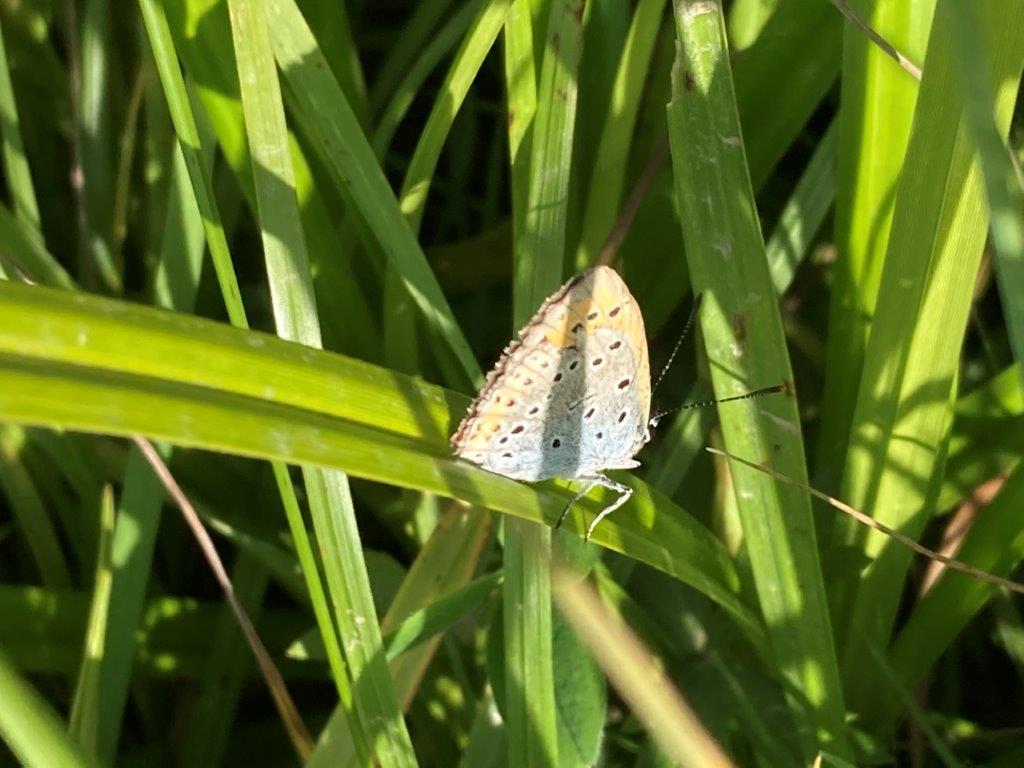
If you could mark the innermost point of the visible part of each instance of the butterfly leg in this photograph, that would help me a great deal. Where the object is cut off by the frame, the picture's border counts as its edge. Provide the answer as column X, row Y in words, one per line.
column 624, row 492
column 588, row 485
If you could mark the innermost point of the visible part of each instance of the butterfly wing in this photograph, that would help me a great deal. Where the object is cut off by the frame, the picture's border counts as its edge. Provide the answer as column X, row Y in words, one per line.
column 571, row 396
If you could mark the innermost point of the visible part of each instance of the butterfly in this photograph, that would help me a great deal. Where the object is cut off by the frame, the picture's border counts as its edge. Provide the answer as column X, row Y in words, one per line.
column 571, row 396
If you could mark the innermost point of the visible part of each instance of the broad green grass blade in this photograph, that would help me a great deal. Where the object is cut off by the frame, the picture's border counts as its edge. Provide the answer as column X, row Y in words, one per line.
column 16, row 167
column 301, row 406
column 33, row 519
column 746, row 349
column 327, row 117
column 31, row 728
column 875, row 112
column 1003, row 181
column 611, row 161
column 294, row 310
column 539, row 254
column 83, row 725
column 166, row 59
column 901, row 423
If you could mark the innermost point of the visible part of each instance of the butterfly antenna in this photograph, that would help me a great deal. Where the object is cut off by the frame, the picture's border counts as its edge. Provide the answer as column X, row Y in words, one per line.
column 705, row 403
column 682, row 337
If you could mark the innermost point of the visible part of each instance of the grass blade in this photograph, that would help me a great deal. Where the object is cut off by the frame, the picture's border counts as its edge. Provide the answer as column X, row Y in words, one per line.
column 876, row 109
column 83, row 724
column 16, row 167
column 638, row 678
column 746, row 349
column 938, row 231
column 1003, row 182
column 295, row 315
column 31, row 728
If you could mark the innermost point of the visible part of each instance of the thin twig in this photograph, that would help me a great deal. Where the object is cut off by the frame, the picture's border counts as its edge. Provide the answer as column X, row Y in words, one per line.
column 877, row 39
column 302, row 741
column 620, row 229
column 870, row 522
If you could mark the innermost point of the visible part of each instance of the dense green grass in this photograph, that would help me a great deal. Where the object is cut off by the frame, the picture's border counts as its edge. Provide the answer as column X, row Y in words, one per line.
column 385, row 194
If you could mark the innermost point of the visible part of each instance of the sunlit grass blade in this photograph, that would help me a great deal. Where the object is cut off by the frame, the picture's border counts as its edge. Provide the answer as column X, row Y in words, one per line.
column 1003, row 181
column 31, row 728
column 166, row 58
column 875, row 113
column 326, row 115
column 638, row 678
column 443, row 566
column 295, row 316
column 539, row 255
column 799, row 46
column 746, row 349
column 913, row 354
column 83, row 725
column 185, row 125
